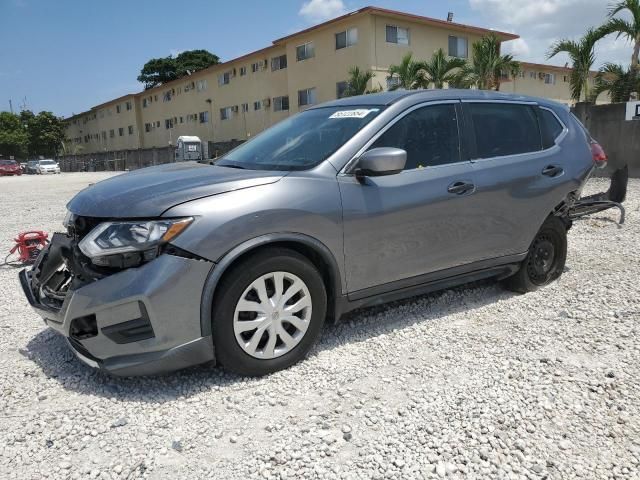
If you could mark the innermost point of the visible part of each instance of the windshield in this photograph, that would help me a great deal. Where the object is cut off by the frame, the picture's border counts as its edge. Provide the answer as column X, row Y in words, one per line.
column 302, row 141
column 7, row 162
column 47, row 162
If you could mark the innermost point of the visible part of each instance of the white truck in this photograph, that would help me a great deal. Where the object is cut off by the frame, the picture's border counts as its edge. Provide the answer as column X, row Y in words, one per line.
column 188, row 147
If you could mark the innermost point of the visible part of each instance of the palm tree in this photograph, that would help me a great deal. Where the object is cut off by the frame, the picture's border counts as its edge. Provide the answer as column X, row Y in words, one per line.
column 616, row 80
column 582, row 55
column 358, row 82
column 410, row 74
column 440, row 69
column 488, row 66
column 624, row 28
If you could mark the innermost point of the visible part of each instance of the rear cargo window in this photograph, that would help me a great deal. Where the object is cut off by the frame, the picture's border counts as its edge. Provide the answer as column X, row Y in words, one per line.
column 550, row 126
column 505, row 129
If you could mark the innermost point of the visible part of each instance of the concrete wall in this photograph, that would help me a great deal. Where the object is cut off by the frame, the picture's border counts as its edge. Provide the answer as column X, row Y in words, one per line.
column 619, row 138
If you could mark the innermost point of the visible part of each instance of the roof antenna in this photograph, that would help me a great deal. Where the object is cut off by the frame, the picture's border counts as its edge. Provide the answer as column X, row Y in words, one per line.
column 450, row 17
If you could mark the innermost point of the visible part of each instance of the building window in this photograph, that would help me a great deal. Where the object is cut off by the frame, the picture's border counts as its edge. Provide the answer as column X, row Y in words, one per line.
column 255, row 66
column 147, row 127
column 224, row 78
column 245, row 107
column 397, row 35
column 128, row 105
column 243, row 71
column 458, row 47
column 181, row 119
column 117, row 108
column 303, row 52
column 167, row 96
column 121, row 132
column 158, row 124
column 278, row 63
column 533, row 75
column 306, row 97
column 565, row 78
column 392, row 82
column 348, row 38
column 550, row 78
column 168, row 123
column 130, row 129
column 104, row 135
column 522, row 73
column 280, row 104
column 144, row 103
column 341, row 88
column 225, row 113
column 257, row 105
column 112, row 133
column 203, row 117
column 201, row 85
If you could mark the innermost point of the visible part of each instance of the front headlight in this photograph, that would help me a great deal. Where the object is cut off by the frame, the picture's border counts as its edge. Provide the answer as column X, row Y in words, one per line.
column 141, row 236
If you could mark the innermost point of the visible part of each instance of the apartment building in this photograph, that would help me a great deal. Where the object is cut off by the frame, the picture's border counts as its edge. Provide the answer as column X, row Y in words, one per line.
column 241, row 97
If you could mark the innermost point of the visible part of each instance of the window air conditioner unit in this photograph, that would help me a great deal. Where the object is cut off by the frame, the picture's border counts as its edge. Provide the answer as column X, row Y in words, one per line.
column 266, row 102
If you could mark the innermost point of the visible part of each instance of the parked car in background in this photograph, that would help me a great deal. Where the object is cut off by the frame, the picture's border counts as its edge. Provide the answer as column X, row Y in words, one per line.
column 47, row 166
column 23, row 167
column 32, row 167
column 351, row 203
column 9, row 167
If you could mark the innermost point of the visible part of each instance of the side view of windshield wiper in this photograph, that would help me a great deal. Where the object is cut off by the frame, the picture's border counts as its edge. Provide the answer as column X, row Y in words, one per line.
column 231, row 166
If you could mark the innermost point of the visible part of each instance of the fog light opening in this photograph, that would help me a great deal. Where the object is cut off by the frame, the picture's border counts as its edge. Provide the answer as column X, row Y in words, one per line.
column 84, row 327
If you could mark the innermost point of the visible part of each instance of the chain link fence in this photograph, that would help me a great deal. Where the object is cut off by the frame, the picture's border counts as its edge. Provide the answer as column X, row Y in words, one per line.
column 131, row 159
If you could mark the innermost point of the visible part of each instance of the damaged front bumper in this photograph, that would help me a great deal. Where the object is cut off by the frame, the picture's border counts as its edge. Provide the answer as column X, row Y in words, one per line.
column 137, row 321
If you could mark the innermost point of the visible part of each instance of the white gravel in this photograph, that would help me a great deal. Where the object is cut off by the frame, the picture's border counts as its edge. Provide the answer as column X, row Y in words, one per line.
column 473, row 382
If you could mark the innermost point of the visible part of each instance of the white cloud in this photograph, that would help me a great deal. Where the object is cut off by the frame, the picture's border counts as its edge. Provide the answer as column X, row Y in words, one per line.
column 321, row 10
column 540, row 23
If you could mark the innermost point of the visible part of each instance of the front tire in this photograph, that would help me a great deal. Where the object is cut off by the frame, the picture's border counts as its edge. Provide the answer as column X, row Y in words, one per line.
column 268, row 312
column 546, row 258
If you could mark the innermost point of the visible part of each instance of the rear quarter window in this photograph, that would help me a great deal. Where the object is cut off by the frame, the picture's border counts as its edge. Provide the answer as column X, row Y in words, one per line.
column 505, row 129
column 550, row 127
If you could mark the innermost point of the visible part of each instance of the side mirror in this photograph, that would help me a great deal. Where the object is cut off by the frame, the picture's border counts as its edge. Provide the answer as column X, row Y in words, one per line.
column 381, row 161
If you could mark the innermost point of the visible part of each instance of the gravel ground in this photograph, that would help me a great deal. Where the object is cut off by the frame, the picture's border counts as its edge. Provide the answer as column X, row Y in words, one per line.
column 473, row 382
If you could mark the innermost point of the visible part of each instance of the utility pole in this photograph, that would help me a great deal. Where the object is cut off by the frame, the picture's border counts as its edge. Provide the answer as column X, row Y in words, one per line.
column 10, row 106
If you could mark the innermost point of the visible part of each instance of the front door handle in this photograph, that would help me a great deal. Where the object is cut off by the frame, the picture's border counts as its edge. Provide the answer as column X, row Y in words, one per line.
column 460, row 188
column 552, row 171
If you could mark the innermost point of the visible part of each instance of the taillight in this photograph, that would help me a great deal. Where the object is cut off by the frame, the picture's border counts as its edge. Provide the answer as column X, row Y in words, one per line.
column 599, row 156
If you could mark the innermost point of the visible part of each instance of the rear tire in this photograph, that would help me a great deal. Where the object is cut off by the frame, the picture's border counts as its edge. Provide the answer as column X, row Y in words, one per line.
column 545, row 261
column 258, row 330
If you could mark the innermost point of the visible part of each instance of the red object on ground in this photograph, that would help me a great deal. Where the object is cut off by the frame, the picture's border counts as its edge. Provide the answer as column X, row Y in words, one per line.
column 10, row 167
column 29, row 244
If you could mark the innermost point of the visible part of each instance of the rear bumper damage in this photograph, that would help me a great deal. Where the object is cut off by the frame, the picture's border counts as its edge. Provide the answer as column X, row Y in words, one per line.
column 137, row 321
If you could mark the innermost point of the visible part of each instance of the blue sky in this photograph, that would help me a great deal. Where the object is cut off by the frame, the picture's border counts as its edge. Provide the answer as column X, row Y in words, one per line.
column 69, row 55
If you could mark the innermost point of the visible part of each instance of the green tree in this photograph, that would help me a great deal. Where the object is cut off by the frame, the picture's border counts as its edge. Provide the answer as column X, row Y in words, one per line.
column 629, row 29
column 13, row 136
column 45, row 132
column 486, row 69
column 161, row 70
column 440, row 69
column 618, row 81
column 409, row 74
column 358, row 82
column 582, row 55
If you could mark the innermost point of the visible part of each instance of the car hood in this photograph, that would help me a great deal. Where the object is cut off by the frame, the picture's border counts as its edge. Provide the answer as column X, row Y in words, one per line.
column 148, row 192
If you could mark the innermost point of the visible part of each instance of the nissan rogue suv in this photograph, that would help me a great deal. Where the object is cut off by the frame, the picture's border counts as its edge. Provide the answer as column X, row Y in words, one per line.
column 350, row 203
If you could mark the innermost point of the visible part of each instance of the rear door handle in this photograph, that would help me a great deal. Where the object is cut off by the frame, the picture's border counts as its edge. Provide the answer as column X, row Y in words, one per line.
column 460, row 188
column 552, row 171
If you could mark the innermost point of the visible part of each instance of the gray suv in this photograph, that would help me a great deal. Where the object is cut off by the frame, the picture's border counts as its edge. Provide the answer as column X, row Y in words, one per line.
column 351, row 203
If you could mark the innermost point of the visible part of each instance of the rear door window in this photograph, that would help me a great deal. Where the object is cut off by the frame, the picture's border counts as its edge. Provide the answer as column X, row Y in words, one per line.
column 505, row 129
column 429, row 135
column 550, row 127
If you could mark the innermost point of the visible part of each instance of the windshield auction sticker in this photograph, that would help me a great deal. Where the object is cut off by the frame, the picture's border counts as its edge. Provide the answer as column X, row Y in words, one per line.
column 359, row 113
